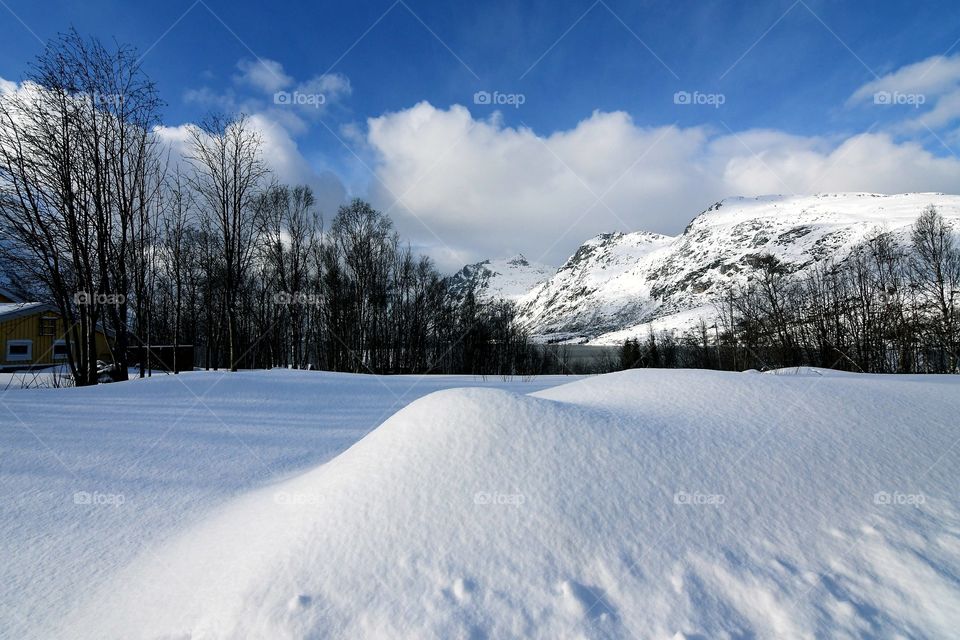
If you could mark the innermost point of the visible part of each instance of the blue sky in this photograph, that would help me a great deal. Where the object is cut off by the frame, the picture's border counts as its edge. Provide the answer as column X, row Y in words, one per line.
column 786, row 73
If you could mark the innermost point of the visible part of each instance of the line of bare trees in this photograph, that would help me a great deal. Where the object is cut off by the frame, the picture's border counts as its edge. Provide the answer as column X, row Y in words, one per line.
column 204, row 247
column 891, row 306
column 79, row 172
column 350, row 297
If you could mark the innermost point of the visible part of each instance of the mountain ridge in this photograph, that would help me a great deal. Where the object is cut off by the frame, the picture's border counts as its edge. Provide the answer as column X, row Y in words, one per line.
column 503, row 278
column 617, row 285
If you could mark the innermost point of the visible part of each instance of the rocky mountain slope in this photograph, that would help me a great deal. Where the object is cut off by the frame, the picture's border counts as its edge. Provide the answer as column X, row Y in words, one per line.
column 618, row 284
column 505, row 278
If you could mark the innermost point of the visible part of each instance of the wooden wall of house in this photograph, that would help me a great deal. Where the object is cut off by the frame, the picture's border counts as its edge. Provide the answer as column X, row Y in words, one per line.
column 28, row 328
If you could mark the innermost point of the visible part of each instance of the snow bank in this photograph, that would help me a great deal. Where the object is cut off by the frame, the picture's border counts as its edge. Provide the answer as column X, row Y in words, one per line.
column 93, row 477
column 647, row 503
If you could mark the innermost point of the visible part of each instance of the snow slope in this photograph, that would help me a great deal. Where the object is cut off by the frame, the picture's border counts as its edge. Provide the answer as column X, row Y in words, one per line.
column 91, row 478
column 617, row 284
column 503, row 278
column 655, row 504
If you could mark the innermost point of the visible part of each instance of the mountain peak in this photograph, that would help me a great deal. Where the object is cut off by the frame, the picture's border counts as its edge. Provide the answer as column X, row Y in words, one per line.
column 505, row 278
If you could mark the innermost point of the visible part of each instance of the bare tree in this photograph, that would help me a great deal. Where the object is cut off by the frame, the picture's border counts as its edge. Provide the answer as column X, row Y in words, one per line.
column 176, row 225
column 228, row 176
column 75, row 146
column 936, row 268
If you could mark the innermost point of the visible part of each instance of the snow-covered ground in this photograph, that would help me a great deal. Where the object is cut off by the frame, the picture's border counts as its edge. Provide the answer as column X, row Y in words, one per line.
column 45, row 378
column 91, row 478
column 661, row 504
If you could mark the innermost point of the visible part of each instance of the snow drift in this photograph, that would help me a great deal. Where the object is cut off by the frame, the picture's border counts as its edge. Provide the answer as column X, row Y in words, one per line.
column 642, row 504
column 92, row 477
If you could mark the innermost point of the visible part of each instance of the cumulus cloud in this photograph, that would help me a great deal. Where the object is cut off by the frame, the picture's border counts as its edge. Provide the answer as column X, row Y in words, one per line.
column 931, row 87
column 309, row 100
column 265, row 75
column 269, row 77
column 215, row 100
column 281, row 154
column 470, row 188
column 934, row 76
column 333, row 86
column 264, row 87
column 281, row 109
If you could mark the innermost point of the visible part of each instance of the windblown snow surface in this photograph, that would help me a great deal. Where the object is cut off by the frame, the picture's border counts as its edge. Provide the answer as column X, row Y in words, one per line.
column 92, row 478
column 650, row 504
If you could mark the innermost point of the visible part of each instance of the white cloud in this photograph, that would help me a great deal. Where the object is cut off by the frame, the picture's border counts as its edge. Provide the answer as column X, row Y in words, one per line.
column 280, row 109
column 308, row 100
column 287, row 102
column 207, row 97
column 282, row 156
column 332, row 86
column 932, row 77
column 265, row 75
column 473, row 188
column 928, row 92
column 945, row 111
column 288, row 164
column 269, row 77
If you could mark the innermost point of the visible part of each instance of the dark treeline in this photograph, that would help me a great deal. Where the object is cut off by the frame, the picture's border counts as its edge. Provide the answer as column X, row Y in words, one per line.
column 204, row 248
column 350, row 297
column 891, row 306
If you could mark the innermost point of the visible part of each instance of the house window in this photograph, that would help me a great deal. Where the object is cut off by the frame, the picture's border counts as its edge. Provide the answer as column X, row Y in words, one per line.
column 19, row 350
column 48, row 326
column 60, row 350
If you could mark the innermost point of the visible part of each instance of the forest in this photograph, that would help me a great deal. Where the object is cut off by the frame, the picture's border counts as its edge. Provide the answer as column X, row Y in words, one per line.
column 209, row 249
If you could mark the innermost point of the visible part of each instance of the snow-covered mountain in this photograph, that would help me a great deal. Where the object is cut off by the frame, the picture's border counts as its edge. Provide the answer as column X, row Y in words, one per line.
column 505, row 278
column 618, row 284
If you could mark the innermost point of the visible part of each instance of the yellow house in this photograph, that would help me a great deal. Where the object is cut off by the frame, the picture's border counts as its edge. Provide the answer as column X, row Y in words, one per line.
column 32, row 335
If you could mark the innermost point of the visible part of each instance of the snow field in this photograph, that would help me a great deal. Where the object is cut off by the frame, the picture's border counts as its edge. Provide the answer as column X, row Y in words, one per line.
column 92, row 478
column 663, row 504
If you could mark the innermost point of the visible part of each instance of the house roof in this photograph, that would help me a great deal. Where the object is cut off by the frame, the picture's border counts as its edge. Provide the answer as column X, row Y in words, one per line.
column 7, row 293
column 11, row 310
